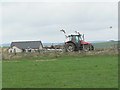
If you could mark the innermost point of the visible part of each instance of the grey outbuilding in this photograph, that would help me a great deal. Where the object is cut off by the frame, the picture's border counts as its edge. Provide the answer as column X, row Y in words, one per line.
column 25, row 46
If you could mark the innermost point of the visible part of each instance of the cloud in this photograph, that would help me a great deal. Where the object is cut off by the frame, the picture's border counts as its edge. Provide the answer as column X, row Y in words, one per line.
column 42, row 21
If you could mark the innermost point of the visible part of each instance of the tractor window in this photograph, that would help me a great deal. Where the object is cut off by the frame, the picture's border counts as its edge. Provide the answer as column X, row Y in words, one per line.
column 80, row 38
column 77, row 39
column 70, row 38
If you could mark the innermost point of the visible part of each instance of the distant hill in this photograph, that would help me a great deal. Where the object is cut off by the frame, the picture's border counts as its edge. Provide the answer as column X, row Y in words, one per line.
column 107, row 44
column 5, row 45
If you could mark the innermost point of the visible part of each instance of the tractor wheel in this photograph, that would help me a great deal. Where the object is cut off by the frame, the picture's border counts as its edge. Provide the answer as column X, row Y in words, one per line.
column 86, row 47
column 91, row 47
column 70, row 47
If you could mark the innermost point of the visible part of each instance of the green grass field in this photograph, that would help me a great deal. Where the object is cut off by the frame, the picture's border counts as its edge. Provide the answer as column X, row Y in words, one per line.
column 61, row 72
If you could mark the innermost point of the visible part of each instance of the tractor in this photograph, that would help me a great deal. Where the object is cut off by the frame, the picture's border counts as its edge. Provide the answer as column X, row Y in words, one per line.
column 76, row 42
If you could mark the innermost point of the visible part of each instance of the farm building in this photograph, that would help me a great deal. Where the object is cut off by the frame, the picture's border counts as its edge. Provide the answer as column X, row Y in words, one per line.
column 25, row 46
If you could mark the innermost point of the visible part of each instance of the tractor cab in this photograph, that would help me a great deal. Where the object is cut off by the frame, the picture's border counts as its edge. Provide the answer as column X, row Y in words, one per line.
column 74, row 38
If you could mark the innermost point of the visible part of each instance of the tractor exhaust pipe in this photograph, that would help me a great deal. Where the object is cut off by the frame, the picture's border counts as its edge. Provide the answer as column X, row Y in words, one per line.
column 83, row 37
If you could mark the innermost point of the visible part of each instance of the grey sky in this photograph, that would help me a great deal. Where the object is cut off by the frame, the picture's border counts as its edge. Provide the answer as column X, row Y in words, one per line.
column 43, row 20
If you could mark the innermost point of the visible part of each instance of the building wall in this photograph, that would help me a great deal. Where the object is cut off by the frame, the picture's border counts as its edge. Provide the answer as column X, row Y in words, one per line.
column 40, row 47
column 14, row 49
column 17, row 50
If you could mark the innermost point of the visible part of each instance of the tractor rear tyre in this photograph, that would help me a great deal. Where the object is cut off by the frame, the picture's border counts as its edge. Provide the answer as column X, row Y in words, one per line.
column 70, row 47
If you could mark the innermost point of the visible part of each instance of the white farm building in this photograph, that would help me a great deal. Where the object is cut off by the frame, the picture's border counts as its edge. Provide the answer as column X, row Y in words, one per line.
column 25, row 46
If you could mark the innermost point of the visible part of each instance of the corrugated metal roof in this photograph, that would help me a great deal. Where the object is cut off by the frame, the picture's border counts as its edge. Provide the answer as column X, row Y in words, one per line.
column 27, row 44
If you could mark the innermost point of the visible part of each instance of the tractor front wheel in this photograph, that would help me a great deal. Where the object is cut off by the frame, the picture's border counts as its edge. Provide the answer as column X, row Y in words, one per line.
column 88, row 47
